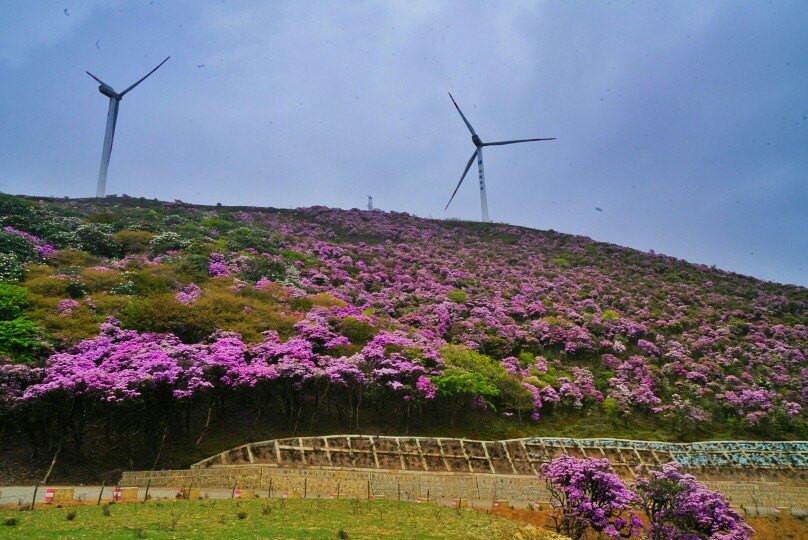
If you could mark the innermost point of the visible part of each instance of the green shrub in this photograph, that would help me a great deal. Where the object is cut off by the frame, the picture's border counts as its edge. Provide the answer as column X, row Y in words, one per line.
column 13, row 300
column 19, row 339
column 20, row 247
column 47, row 286
column 251, row 237
column 162, row 313
column 99, row 280
column 259, row 267
column 76, row 289
column 508, row 387
column 104, row 217
column 220, row 224
column 609, row 315
column 168, row 241
column 10, row 268
column 152, row 280
column 300, row 303
column 96, row 238
column 359, row 332
column 72, row 257
column 457, row 296
column 133, row 241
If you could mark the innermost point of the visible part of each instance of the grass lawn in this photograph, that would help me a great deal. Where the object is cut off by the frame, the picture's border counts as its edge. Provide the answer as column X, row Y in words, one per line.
column 261, row 518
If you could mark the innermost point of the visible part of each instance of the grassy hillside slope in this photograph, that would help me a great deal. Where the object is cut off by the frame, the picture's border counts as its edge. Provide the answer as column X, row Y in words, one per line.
column 135, row 333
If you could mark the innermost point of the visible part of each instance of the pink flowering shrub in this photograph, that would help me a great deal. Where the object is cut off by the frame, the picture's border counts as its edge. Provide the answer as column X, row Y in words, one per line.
column 189, row 295
column 587, row 494
column 679, row 508
column 66, row 307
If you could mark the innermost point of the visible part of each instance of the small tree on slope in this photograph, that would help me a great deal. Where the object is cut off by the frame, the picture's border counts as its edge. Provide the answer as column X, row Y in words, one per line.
column 679, row 508
column 587, row 494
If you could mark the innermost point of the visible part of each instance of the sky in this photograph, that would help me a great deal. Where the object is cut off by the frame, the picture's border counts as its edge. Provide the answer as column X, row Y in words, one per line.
column 681, row 127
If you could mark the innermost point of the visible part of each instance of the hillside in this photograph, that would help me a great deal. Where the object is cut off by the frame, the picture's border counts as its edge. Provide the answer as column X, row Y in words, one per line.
column 133, row 330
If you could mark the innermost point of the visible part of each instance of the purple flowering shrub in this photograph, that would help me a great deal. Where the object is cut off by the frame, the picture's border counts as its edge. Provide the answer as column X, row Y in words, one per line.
column 679, row 508
column 587, row 494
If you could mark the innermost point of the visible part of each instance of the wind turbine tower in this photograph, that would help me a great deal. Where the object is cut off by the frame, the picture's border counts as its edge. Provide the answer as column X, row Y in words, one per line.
column 478, row 153
column 112, row 118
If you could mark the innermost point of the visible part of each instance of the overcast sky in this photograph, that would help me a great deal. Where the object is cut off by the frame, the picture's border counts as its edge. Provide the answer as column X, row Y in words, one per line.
column 685, row 123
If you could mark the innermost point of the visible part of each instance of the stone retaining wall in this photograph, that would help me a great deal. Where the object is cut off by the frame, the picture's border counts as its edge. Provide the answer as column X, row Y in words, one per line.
column 349, row 483
column 315, row 483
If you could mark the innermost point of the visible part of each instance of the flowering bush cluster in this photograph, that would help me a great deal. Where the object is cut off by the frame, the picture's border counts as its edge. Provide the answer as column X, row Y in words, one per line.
column 338, row 312
column 587, row 494
column 679, row 508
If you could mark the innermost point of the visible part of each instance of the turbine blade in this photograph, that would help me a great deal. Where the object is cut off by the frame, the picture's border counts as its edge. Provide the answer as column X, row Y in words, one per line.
column 462, row 115
column 514, row 142
column 96, row 78
column 465, row 171
column 144, row 77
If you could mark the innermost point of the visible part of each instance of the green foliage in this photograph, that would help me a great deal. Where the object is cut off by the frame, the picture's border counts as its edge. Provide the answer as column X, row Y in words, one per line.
column 610, row 407
column 76, row 289
column 290, row 256
column 609, row 315
column 251, row 237
column 18, row 246
column 47, row 286
column 162, row 313
column 457, row 296
column 134, row 241
column 359, row 332
column 19, row 339
column 509, row 389
column 13, row 300
column 221, row 224
column 104, row 217
column 193, row 266
column 72, row 257
column 300, row 303
column 10, row 268
column 96, row 238
column 458, row 382
column 168, row 241
column 259, row 267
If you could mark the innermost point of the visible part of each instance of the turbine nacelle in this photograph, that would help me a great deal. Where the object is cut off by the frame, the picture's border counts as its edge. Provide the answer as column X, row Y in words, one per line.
column 109, row 92
column 476, row 140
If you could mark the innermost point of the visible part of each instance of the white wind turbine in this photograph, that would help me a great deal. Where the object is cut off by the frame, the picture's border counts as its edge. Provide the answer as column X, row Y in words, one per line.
column 478, row 152
column 112, row 117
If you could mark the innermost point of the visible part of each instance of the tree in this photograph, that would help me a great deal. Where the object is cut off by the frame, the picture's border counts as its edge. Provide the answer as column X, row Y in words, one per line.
column 588, row 494
column 680, row 508
column 458, row 387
